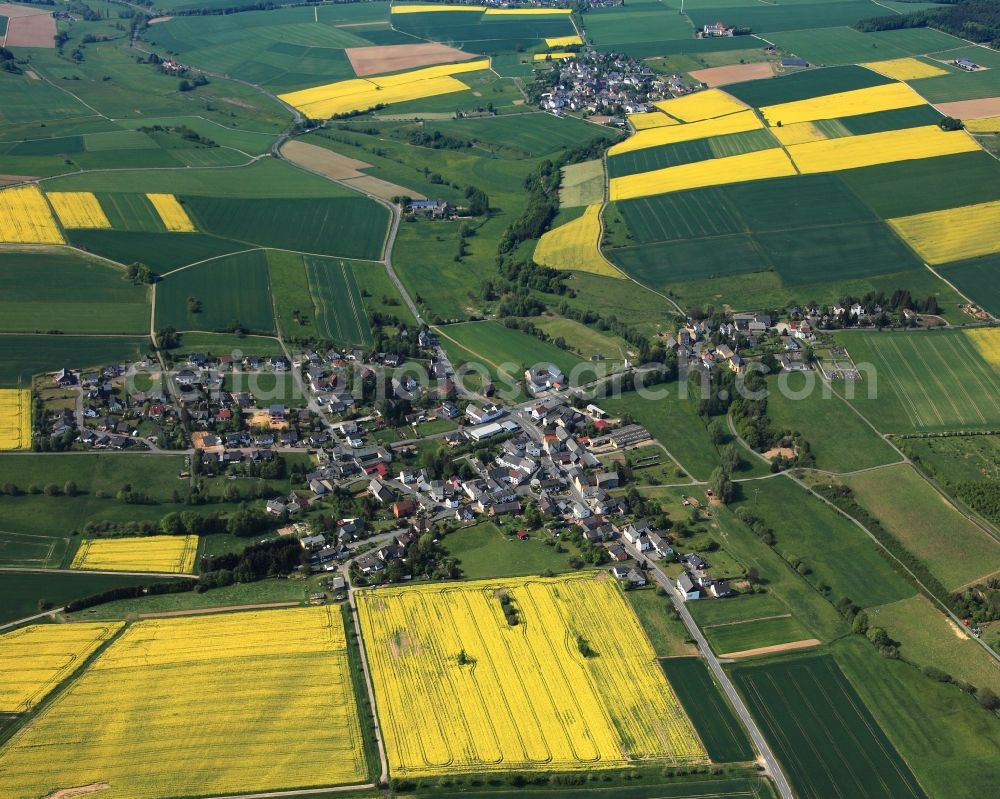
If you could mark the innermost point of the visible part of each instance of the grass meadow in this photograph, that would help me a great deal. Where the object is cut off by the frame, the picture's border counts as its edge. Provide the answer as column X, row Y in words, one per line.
column 741, row 636
column 484, row 551
column 913, row 511
column 923, row 381
column 663, row 626
column 838, row 729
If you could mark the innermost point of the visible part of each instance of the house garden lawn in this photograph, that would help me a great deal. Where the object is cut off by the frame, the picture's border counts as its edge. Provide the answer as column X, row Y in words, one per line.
column 483, row 550
column 267, row 388
column 838, row 438
column 666, row 631
column 913, row 511
column 720, row 731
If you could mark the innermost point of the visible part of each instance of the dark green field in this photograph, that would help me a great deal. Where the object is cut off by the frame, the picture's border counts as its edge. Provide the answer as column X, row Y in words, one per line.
column 232, row 289
column 484, row 34
column 691, row 259
column 531, row 133
column 160, row 251
column 697, row 213
column 897, row 119
column 339, row 308
column 720, row 731
column 827, row 740
column 22, row 356
column 978, row 279
column 67, row 292
column 21, row 592
column 353, row 227
column 688, row 152
column 794, row 16
column 130, row 212
column 714, row 787
column 803, row 85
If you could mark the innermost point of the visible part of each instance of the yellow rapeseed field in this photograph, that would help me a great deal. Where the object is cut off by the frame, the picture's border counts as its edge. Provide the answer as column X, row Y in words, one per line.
column 553, row 56
column 78, row 209
column 905, row 68
column 799, row 133
column 851, row 152
column 654, row 137
column 525, row 696
column 172, row 213
column 953, row 234
column 200, row 706
column 25, row 217
column 701, row 105
column 574, row 245
column 758, row 165
column 173, row 554
column 427, row 8
column 563, row 41
column 987, row 342
column 654, row 119
column 843, row 104
column 359, row 94
column 15, row 418
column 35, row 659
column 987, row 125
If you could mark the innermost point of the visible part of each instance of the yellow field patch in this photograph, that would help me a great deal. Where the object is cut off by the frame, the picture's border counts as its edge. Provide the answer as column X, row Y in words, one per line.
column 758, row 165
column 172, row 213
column 15, row 418
column 35, row 659
column 673, row 134
column 954, row 234
column 359, row 94
column 701, row 105
column 905, row 69
column 987, row 342
column 987, row 125
column 574, row 245
column 553, row 56
column 523, row 696
column 172, row 554
column 25, row 217
column 843, row 104
column 653, row 119
column 852, row 152
column 78, row 209
column 799, row 133
column 563, row 41
column 428, row 8
column 231, row 703
column 527, row 12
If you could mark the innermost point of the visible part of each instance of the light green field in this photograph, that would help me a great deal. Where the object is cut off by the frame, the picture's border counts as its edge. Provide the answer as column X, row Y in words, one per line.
column 910, row 509
column 741, row 636
column 923, row 381
column 582, row 184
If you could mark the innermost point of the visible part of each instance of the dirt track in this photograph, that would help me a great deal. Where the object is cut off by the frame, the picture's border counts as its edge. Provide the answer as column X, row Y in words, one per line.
column 766, row 650
column 165, row 614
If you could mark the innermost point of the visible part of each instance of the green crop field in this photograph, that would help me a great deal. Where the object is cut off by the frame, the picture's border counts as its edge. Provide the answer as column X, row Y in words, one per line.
column 20, row 592
column 897, row 119
column 667, row 262
column 838, row 438
column 923, row 381
column 531, row 133
column 978, row 279
column 827, row 548
column 919, row 41
column 130, row 212
column 927, row 637
column 803, row 85
column 720, row 731
column 831, row 46
column 339, row 308
column 688, row 152
column 741, row 636
column 293, row 304
column 32, row 550
column 483, row 551
column 352, row 227
column 913, row 511
column 742, row 608
column 685, row 214
column 674, row 422
column 786, row 17
column 215, row 294
column 643, row 22
column 815, row 747
column 22, row 356
column 503, row 349
column 67, row 292
column 484, row 34
column 162, row 252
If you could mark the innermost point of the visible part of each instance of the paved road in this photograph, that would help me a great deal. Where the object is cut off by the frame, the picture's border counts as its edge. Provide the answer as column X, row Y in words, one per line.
column 773, row 769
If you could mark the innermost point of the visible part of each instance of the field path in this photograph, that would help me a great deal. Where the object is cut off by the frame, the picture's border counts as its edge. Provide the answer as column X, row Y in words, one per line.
column 166, row 614
column 766, row 650
column 166, row 575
